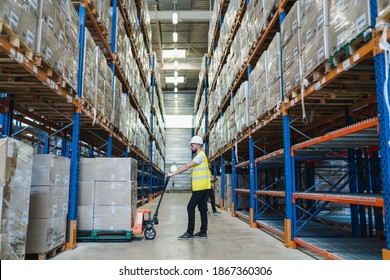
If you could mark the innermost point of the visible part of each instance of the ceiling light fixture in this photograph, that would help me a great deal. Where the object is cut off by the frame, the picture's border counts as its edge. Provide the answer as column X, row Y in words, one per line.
column 175, row 89
column 174, row 18
column 176, row 64
column 176, row 96
column 175, row 37
column 176, row 74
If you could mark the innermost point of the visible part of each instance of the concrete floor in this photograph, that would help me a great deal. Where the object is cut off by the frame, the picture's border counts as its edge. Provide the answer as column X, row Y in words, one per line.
column 228, row 238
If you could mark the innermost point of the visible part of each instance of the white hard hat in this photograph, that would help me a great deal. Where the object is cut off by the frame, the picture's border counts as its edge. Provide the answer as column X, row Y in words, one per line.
column 197, row 140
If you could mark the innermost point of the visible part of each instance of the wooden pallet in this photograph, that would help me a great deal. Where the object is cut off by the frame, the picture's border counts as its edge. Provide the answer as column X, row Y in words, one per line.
column 16, row 41
column 292, row 94
column 348, row 49
column 44, row 256
column 104, row 235
column 318, row 72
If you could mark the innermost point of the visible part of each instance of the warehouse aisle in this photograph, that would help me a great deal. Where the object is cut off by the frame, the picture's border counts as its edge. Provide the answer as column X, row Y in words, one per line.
column 228, row 238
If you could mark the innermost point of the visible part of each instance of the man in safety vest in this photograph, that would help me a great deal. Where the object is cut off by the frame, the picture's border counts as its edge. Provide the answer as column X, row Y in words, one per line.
column 200, row 189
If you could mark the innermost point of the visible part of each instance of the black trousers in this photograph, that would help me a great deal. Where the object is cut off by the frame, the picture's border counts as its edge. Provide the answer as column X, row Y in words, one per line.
column 212, row 199
column 198, row 198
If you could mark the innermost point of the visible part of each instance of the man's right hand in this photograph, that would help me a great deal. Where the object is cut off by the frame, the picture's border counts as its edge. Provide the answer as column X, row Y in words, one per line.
column 169, row 175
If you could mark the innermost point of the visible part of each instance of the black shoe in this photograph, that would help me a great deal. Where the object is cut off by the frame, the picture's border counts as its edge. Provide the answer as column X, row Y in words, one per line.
column 200, row 235
column 186, row 236
column 217, row 213
column 208, row 213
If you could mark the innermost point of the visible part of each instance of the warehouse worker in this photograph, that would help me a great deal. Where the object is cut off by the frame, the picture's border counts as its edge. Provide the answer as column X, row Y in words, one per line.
column 200, row 189
column 212, row 195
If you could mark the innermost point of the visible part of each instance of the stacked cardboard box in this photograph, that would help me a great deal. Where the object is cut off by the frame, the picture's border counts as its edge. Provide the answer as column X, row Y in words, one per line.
column 108, row 193
column 314, row 31
column 59, row 42
column 291, row 50
column 350, row 18
column 15, row 183
column 48, row 203
column 228, row 191
column 103, row 12
column 274, row 73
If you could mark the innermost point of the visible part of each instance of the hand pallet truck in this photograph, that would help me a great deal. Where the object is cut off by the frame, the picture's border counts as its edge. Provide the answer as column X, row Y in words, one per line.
column 144, row 225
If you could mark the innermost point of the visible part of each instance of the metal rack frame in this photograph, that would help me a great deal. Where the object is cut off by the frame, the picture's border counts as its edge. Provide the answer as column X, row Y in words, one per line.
column 367, row 132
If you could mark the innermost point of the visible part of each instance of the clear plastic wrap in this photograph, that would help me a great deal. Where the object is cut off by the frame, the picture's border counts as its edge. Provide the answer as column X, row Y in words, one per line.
column 112, row 218
column 291, row 66
column 50, row 170
column 350, row 18
column 87, row 169
column 273, row 72
column 15, row 173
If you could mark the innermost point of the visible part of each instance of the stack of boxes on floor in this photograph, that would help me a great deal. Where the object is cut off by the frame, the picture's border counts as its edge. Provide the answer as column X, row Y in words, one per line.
column 59, row 29
column 227, row 203
column 107, row 193
column 15, row 182
column 48, row 203
column 309, row 37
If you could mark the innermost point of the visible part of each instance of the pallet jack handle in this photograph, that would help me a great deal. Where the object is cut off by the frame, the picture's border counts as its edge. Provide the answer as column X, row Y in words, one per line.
column 155, row 218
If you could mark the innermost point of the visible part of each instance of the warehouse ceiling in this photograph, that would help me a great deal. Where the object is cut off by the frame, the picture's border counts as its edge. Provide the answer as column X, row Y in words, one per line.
column 192, row 29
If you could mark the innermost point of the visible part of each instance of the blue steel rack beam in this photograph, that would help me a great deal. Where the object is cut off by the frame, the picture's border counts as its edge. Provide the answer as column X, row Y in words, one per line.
column 71, row 233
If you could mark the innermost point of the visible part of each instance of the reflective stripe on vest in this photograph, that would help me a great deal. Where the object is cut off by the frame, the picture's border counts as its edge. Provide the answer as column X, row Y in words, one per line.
column 200, row 175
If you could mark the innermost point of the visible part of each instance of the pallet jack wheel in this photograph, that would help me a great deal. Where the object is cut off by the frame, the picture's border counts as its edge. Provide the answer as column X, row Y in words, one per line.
column 150, row 233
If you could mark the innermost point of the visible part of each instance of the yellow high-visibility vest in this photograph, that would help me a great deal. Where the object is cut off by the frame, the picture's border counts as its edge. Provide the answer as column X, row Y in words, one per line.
column 201, row 175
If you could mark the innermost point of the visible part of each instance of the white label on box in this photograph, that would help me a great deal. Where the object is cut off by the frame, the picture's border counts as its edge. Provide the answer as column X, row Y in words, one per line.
column 14, row 19
column 323, row 81
column 50, row 22
column 292, row 102
column 295, row 24
column 308, row 34
column 296, row 51
column 33, row 4
column 320, row 53
column 340, row 38
column 30, row 37
column 320, row 20
column 13, row 52
column 61, row 36
column 52, row 84
column 361, row 23
column 10, row 152
column 19, row 57
column 296, row 77
column 340, row 4
column 69, row 98
column 346, row 64
column 317, row 86
column 48, row 53
column 356, row 57
column 307, row 7
column 309, row 65
column 35, row 69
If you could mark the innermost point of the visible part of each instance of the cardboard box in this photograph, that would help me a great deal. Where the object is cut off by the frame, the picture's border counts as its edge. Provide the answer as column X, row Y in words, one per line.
column 44, row 235
column 115, row 169
column 114, row 193
column 86, row 193
column 15, row 166
column 50, row 170
column 85, row 217
column 112, row 218
column 87, row 169
column 47, row 202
